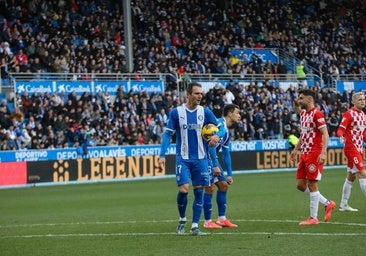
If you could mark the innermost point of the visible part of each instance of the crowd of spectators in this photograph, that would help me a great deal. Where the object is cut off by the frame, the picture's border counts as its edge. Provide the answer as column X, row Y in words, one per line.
column 180, row 36
column 58, row 120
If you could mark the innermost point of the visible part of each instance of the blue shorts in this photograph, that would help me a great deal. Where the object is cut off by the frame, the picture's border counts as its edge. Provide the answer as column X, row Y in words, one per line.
column 195, row 171
column 213, row 178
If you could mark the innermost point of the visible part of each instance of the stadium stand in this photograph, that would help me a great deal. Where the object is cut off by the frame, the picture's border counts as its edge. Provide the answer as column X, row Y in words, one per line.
column 186, row 38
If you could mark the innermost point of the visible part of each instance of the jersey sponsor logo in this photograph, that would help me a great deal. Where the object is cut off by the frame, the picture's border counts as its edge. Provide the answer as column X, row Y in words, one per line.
column 192, row 126
column 306, row 129
column 359, row 127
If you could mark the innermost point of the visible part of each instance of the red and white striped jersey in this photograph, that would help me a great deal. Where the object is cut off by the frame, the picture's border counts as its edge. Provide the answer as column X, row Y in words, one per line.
column 311, row 122
column 352, row 128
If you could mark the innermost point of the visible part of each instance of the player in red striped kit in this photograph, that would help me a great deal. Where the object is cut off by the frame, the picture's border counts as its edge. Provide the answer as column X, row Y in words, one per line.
column 313, row 143
column 352, row 132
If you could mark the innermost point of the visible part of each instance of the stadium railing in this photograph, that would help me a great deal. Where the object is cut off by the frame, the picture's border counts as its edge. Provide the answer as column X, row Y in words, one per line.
column 171, row 80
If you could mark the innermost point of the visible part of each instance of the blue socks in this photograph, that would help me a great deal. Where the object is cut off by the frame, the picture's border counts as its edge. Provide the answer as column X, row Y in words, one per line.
column 182, row 199
column 207, row 206
column 197, row 204
column 221, row 202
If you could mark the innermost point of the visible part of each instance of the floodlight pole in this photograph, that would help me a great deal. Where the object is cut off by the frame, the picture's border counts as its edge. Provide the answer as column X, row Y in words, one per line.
column 126, row 4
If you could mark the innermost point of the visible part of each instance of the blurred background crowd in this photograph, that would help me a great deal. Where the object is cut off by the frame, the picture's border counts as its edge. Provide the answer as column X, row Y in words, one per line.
column 170, row 36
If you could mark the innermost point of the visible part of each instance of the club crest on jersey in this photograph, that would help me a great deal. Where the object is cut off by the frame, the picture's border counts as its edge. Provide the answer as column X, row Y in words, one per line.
column 312, row 168
column 200, row 117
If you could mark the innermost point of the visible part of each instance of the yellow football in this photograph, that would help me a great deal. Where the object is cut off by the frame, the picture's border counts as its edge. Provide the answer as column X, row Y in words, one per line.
column 208, row 130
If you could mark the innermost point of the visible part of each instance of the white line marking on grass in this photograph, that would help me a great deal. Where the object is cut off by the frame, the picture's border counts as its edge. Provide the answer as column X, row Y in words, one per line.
column 296, row 221
column 170, row 234
column 157, row 221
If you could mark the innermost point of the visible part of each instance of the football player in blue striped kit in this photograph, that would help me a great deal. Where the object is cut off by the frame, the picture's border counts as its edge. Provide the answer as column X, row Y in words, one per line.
column 187, row 121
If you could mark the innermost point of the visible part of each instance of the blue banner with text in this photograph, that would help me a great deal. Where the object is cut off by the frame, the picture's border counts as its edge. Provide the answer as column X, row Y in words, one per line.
column 144, row 150
column 88, row 86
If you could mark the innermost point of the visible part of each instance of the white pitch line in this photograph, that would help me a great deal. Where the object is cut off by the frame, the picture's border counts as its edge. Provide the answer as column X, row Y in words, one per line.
column 171, row 234
column 296, row 221
column 157, row 221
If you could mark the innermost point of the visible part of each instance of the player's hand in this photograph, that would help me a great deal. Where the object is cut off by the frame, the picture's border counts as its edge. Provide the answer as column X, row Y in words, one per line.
column 213, row 140
column 229, row 180
column 293, row 155
column 322, row 157
column 161, row 162
column 341, row 139
column 217, row 171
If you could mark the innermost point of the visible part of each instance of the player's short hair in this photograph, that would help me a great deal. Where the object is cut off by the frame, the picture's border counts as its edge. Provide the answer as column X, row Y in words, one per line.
column 191, row 85
column 308, row 92
column 356, row 95
column 229, row 108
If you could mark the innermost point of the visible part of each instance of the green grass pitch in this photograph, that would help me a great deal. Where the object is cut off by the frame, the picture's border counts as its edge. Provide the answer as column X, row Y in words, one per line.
column 139, row 218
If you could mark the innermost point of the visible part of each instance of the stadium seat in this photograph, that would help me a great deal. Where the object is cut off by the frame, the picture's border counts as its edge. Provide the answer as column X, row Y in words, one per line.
column 11, row 106
column 5, row 81
column 2, row 96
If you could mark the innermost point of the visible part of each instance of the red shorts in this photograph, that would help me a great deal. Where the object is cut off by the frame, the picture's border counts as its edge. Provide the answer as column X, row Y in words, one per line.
column 354, row 160
column 309, row 168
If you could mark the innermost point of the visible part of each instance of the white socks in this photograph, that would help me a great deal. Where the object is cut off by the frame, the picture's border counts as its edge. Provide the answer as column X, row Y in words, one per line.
column 363, row 185
column 314, row 204
column 346, row 191
column 322, row 199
